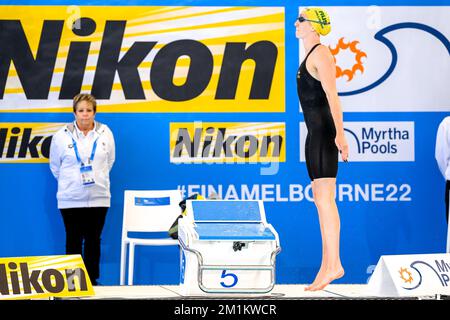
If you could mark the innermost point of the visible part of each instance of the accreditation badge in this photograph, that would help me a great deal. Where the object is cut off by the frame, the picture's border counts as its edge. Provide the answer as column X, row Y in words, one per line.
column 87, row 175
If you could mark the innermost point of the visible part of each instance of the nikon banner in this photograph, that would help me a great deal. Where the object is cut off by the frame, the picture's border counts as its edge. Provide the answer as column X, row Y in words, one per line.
column 227, row 142
column 143, row 59
column 41, row 277
column 26, row 142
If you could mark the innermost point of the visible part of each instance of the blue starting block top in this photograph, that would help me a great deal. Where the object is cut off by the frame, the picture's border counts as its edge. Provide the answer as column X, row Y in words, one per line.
column 219, row 210
column 233, row 231
column 230, row 220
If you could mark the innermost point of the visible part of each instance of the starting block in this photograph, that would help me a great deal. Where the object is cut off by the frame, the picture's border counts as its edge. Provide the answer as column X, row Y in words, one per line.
column 227, row 246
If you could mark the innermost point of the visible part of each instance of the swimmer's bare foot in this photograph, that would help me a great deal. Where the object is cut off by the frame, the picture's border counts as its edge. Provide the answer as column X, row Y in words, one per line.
column 324, row 278
column 314, row 283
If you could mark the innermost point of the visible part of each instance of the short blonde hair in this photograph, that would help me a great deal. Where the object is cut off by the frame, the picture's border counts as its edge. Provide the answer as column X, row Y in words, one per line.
column 84, row 97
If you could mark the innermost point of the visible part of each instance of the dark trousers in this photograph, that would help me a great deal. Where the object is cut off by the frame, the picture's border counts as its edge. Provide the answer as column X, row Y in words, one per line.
column 447, row 190
column 85, row 224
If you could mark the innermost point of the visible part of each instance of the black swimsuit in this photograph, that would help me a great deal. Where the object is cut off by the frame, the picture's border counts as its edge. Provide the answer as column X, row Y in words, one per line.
column 321, row 152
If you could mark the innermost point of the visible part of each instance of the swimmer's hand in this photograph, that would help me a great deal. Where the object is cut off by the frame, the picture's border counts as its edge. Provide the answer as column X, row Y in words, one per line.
column 342, row 145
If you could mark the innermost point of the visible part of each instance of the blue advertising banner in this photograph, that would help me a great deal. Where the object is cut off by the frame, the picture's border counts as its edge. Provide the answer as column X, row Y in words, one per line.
column 201, row 96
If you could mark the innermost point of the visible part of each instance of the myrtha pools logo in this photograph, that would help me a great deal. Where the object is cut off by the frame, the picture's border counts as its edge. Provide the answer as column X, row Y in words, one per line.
column 375, row 140
column 378, row 68
column 418, row 272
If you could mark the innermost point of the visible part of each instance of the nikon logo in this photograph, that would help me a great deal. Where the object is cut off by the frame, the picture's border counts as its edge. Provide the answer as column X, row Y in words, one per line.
column 227, row 142
column 36, row 73
column 51, row 280
column 26, row 142
column 43, row 277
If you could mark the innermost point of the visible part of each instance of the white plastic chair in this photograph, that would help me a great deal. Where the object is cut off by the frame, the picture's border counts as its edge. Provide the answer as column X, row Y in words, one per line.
column 146, row 211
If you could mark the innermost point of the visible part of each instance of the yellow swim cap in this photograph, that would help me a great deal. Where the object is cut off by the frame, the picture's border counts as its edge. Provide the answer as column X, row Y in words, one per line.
column 320, row 20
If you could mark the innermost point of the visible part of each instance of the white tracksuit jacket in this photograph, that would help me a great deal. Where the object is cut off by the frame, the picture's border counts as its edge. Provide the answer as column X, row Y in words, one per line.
column 442, row 151
column 66, row 169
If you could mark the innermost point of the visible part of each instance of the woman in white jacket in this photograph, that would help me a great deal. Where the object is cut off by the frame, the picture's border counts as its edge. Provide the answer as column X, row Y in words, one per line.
column 82, row 154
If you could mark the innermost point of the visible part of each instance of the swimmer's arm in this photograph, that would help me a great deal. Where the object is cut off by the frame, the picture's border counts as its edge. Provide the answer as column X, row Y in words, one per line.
column 326, row 70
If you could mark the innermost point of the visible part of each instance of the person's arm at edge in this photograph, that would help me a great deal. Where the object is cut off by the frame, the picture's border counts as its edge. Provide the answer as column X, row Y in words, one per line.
column 112, row 149
column 54, row 156
column 442, row 152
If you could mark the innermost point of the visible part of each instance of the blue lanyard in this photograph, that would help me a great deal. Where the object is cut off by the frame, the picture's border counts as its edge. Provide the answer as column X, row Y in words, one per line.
column 94, row 147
